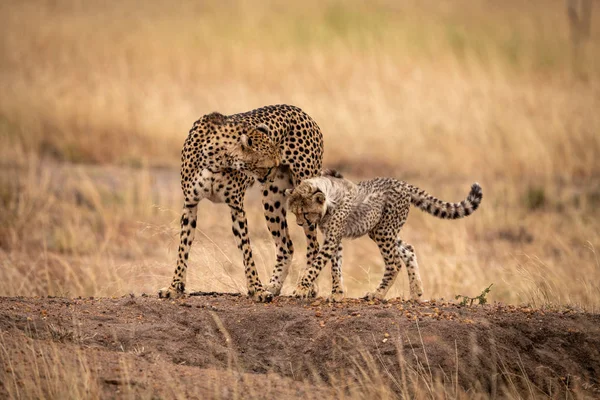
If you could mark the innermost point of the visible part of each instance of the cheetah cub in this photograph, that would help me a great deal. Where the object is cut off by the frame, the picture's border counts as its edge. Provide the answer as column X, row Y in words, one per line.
column 377, row 207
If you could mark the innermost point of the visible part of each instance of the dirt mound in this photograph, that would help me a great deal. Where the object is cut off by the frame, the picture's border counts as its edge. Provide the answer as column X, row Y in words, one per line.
column 225, row 346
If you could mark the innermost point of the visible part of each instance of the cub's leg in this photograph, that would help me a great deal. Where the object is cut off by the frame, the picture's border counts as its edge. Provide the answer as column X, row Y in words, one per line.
column 303, row 290
column 390, row 253
column 337, row 290
column 407, row 253
column 312, row 249
column 275, row 204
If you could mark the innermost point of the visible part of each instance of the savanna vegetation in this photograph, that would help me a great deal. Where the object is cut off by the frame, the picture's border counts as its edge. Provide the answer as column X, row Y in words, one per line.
column 97, row 98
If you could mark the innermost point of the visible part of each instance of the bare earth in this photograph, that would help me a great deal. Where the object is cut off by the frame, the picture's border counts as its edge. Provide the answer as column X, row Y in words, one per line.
column 226, row 346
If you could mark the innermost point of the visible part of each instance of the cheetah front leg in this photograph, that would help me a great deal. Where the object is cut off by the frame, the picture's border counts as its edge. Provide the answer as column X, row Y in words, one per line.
column 303, row 290
column 337, row 291
column 240, row 232
column 275, row 204
column 186, row 237
column 312, row 249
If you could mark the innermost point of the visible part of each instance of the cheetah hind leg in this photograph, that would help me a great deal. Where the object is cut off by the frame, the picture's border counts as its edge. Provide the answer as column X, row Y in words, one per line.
column 407, row 253
column 391, row 256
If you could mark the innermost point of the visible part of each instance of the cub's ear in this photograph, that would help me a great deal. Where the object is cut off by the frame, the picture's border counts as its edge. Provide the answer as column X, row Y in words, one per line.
column 262, row 128
column 245, row 140
column 320, row 197
column 287, row 192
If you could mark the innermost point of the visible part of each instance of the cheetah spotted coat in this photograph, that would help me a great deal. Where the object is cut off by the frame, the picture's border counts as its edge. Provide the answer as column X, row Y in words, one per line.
column 209, row 171
column 378, row 208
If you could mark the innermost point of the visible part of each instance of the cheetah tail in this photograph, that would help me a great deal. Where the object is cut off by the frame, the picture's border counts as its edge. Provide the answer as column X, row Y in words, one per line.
column 445, row 210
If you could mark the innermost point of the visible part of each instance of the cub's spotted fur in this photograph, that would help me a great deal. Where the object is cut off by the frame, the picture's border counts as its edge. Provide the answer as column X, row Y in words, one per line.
column 379, row 208
column 278, row 145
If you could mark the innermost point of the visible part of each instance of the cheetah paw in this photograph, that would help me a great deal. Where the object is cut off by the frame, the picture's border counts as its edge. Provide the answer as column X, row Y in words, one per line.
column 336, row 297
column 304, row 292
column 373, row 295
column 416, row 293
column 170, row 293
column 261, row 295
column 416, row 296
column 274, row 289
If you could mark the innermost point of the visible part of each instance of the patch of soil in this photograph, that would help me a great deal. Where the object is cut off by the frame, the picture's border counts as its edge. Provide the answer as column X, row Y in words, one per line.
column 221, row 345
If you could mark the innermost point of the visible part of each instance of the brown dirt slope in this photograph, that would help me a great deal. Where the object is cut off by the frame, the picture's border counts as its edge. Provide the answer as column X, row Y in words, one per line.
column 225, row 346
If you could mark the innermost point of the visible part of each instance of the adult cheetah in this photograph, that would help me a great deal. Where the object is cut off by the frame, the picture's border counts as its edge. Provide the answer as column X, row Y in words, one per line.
column 218, row 158
column 377, row 207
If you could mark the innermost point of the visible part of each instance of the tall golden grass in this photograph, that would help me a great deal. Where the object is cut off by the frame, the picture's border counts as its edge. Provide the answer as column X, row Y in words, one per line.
column 97, row 99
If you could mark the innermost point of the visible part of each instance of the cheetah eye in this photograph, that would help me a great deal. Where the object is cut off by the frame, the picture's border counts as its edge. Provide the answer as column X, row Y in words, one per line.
column 249, row 142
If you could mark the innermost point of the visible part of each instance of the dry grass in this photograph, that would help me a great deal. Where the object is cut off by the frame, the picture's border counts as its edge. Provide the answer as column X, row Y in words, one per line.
column 437, row 94
column 105, row 231
column 97, row 99
column 34, row 369
column 478, row 79
column 40, row 369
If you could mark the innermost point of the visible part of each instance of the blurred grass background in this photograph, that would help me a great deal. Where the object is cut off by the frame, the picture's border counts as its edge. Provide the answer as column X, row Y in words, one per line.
column 97, row 98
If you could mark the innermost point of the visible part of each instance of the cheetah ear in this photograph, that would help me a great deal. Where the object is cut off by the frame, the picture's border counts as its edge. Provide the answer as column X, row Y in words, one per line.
column 262, row 128
column 288, row 192
column 320, row 197
column 246, row 141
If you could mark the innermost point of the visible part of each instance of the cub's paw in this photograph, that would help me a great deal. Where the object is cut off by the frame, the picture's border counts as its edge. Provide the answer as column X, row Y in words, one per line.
column 302, row 292
column 170, row 293
column 416, row 297
column 274, row 289
column 373, row 296
column 260, row 295
column 336, row 297
column 416, row 293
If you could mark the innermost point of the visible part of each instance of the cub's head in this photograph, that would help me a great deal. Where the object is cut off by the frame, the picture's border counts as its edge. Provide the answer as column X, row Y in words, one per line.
column 307, row 202
column 255, row 153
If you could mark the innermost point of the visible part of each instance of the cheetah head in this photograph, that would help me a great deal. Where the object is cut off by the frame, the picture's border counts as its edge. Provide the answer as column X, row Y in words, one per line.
column 308, row 203
column 255, row 153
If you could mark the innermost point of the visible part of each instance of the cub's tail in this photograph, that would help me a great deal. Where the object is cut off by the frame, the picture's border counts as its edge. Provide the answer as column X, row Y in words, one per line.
column 445, row 210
